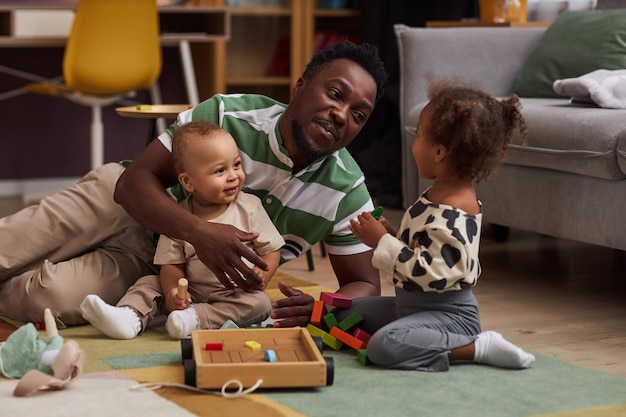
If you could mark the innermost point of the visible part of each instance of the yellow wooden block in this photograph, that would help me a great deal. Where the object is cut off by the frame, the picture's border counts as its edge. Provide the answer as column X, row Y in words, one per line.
column 144, row 106
column 253, row 346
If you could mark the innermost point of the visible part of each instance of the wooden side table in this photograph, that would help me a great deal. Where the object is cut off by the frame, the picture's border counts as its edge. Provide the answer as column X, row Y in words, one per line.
column 153, row 112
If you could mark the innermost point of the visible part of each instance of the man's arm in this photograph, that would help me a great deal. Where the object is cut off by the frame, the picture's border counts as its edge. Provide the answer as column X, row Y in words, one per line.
column 356, row 277
column 141, row 190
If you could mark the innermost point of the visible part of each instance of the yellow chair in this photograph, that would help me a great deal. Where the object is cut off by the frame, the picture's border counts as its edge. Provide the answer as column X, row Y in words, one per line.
column 113, row 50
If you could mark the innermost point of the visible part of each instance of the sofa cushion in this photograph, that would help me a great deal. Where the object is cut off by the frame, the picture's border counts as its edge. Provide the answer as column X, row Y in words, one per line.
column 576, row 138
column 577, row 43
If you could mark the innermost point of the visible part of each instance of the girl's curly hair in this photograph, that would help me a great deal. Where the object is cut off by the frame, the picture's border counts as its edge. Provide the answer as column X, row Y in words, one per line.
column 475, row 127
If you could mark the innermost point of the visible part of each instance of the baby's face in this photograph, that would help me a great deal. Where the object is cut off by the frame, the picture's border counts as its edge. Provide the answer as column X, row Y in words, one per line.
column 214, row 170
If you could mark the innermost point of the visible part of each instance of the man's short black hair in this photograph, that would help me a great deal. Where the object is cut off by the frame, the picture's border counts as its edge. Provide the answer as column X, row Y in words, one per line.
column 366, row 55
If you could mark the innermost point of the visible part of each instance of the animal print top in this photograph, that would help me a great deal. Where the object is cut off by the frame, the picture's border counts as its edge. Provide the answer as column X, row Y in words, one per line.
column 436, row 249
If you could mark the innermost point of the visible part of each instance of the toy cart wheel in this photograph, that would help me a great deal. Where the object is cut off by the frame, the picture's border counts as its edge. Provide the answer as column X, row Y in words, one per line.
column 318, row 343
column 186, row 349
column 330, row 370
column 190, row 372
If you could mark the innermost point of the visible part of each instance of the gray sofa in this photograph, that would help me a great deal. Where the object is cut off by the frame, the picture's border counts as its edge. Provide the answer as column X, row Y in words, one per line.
column 569, row 182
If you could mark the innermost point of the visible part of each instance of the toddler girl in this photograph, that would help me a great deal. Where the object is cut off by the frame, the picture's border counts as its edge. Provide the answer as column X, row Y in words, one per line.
column 462, row 136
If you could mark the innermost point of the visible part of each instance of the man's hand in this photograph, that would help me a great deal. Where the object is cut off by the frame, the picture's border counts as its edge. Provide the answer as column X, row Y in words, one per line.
column 293, row 311
column 220, row 247
column 141, row 191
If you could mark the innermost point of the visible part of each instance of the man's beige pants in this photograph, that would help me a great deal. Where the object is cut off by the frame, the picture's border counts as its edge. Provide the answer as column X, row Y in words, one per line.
column 73, row 243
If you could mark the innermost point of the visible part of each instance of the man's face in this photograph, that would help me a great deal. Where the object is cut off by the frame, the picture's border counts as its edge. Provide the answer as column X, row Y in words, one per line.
column 331, row 108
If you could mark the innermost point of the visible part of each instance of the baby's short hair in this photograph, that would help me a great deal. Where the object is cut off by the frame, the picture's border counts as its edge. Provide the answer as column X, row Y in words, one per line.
column 187, row 134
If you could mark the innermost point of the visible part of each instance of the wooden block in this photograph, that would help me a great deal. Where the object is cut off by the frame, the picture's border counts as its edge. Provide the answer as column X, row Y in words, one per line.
column 229, row 324
column 361, row 335
column 253, row 346
column 214, row 346
column 319, row 310
column 331, row 321
column 144, row 107
column 331, row 342
column 351, row 321
column 327, row 339
column 361, row 356
column 347, row 339
column 335, row 300
column 314, row 330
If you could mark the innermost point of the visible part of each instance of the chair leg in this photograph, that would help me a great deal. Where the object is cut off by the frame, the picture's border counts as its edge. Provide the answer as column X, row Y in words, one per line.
column 97, row 136
column 188, row 71
column 309, row 260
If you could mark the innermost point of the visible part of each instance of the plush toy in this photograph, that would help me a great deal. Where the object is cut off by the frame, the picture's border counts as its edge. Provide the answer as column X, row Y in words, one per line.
column 41, row 365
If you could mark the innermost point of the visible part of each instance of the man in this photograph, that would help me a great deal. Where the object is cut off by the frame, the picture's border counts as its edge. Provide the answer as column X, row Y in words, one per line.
column 294, row 159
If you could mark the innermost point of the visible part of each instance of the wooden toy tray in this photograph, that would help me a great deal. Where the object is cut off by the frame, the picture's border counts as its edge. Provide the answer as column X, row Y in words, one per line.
column 299, row 362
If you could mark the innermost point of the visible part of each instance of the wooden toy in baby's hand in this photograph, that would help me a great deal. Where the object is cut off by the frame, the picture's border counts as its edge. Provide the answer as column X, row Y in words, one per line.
column 377, row 212
column 183, row 284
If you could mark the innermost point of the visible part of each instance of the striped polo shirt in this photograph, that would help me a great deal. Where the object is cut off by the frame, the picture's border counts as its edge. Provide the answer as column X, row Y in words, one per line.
column 314, row 204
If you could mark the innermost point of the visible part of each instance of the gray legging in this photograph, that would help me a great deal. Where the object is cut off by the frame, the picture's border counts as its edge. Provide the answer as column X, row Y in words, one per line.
column 416, row 330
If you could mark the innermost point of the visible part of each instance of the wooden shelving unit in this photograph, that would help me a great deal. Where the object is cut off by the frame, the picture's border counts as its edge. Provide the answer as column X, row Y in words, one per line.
column 255, row 35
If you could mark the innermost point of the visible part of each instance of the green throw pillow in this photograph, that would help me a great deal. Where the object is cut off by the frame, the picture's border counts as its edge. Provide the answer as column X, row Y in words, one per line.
column 577, row 43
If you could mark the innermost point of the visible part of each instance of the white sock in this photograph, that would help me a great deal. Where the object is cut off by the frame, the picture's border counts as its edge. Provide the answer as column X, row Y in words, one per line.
column 492, row 349
column 115, row 322
column 180, row 323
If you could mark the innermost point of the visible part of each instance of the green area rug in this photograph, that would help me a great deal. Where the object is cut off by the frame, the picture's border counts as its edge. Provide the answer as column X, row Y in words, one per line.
column 551, row 388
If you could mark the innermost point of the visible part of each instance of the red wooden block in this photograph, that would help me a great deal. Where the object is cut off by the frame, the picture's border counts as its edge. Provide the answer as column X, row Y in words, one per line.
column 214, row 346
column 361, row 335
column 336, row 300
column 347, row 339
column 319, row 311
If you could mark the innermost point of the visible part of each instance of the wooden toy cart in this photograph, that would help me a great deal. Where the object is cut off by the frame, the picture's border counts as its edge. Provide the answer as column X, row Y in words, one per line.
column 213, row 357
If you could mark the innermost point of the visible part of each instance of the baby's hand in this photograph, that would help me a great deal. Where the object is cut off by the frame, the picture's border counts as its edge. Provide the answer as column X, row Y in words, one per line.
column 262, row 277
column 173, row 302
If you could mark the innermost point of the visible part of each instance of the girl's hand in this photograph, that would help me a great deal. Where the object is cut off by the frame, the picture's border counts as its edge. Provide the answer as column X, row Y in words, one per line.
column 367, row 229
column 388, row 226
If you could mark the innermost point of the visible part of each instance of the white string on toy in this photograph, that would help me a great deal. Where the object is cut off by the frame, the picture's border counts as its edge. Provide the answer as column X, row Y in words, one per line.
column 151, row 386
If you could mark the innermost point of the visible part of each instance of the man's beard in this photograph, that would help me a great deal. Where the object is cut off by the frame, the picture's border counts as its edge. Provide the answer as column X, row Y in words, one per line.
column 302, row 144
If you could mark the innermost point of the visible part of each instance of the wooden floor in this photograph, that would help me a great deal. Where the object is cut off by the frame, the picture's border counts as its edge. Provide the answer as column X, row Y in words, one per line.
column 559, row 298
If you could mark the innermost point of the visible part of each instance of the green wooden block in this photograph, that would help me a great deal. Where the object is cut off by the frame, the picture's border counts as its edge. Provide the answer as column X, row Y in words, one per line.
column 327, row 339
column 361, row 356
column 314, row 331
column 331, row 321
column 351, row 321
column 331, row 341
